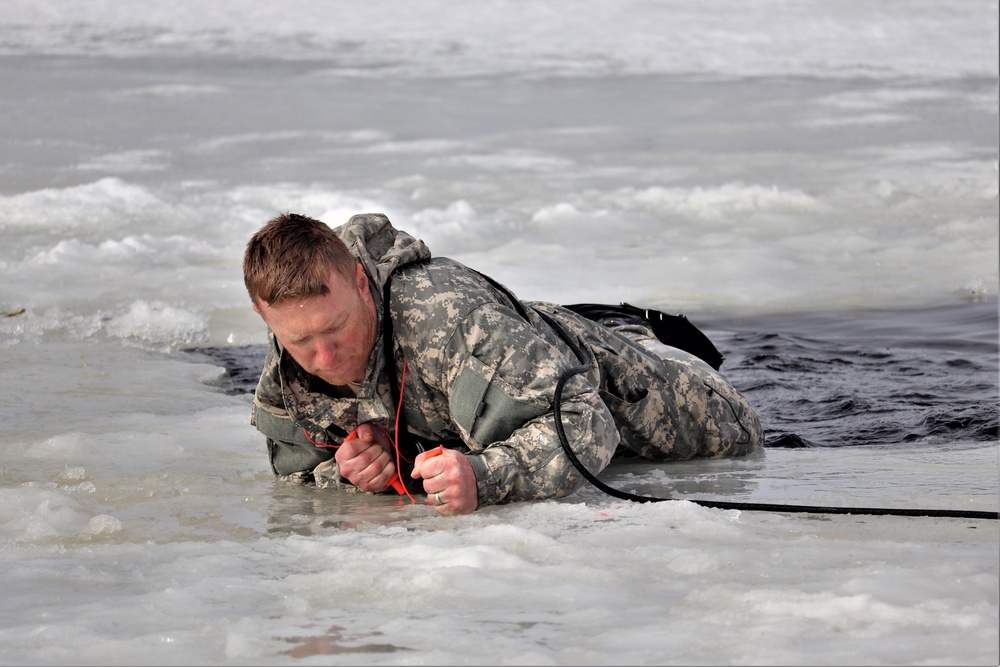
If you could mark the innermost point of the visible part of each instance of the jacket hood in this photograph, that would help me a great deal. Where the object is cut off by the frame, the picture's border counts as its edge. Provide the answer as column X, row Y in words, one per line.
column 381, row 247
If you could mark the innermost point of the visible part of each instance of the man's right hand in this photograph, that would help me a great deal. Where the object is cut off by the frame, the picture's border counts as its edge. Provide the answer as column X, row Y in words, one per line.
column 367, row 461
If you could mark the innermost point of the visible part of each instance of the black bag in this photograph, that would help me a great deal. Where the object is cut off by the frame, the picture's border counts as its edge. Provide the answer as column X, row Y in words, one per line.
column 673, row 330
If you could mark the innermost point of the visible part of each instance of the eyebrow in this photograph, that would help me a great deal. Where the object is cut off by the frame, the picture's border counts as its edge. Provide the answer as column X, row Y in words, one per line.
column 300, row 340
column 336, row 326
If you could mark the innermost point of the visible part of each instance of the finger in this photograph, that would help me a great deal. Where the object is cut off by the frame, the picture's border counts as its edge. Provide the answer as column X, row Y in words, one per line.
column 437, row 499
column 423, row 457
column 454, row 501
column 378, row 465
column 377, row 475
column 362, row 468
column 368, row 432
column 350, row 451
column 382, row 480
column 428, row 469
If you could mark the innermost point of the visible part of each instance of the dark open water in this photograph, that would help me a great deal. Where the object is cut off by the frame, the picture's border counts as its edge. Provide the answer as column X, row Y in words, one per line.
column 877, row 378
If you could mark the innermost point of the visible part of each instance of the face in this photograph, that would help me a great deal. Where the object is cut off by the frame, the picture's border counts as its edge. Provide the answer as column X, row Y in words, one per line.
column 330, row 336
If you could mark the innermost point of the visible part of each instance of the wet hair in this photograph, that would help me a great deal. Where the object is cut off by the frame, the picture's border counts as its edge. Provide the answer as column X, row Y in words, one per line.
column 291, row 257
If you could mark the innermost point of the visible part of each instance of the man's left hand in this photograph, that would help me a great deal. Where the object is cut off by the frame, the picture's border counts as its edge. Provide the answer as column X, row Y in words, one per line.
column 449, row 481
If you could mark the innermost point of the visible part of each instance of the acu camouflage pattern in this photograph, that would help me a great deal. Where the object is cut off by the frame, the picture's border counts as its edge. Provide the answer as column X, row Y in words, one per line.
column 480, row 378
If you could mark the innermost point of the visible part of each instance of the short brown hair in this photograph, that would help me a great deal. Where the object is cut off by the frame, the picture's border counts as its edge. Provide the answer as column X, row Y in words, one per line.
column 291, row 256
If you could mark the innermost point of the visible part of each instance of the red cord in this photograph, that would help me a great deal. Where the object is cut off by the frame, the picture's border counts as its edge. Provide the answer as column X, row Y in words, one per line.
column 395, row 444
column 318, row 444
column 394, row 440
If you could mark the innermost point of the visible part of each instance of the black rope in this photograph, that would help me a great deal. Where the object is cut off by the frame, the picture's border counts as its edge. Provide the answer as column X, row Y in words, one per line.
column 876, row 511
column 624, row 495
column 721, row 504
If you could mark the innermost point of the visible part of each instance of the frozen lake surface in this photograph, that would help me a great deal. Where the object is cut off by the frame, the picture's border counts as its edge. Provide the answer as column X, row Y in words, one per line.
column 814, row 184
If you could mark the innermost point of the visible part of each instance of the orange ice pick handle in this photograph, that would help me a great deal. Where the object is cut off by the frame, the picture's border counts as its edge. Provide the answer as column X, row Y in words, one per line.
column 395, row 482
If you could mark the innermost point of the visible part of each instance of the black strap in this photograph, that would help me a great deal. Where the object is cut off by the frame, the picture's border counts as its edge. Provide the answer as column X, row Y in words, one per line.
column 388, row 354
column 688, row 336
column 717, row 504
column 673, row 330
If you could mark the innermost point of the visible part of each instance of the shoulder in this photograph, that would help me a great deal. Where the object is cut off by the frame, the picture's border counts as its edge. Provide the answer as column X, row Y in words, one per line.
column 269, row 386
column 442, row 306
column 439, row 289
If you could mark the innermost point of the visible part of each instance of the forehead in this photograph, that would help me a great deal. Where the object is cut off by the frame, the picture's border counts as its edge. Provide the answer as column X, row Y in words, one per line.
column 303, row 317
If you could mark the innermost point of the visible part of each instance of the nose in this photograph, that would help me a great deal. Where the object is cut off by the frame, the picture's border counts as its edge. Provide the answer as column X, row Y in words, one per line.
column 325, row 356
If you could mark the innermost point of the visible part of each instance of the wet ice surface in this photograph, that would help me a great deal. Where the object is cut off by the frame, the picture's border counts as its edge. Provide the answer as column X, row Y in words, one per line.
column 815, row 186
column 158, row 535
column 245, row 571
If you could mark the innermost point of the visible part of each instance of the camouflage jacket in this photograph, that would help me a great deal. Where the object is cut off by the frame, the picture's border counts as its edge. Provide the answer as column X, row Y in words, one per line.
column 481, row 371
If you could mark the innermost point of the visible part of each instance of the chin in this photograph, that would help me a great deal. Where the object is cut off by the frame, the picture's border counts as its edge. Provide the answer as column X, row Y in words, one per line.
column 336, row 379
column 328, row 378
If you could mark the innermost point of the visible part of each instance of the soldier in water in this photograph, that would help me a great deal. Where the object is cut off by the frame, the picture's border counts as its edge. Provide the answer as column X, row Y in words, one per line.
column 378, row 353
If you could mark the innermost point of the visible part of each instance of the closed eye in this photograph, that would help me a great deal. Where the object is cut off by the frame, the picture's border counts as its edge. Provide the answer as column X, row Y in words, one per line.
column 329, row 331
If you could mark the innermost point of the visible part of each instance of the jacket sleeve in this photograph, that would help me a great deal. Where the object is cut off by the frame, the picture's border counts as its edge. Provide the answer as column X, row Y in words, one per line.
column 288, row 448
column 501, row 380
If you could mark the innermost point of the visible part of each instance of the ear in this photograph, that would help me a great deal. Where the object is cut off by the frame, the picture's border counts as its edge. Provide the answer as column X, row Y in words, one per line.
column 258, row 307
column 361, row 278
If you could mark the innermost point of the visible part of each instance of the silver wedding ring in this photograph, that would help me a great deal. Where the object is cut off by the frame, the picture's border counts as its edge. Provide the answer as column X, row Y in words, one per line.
column 437, row 498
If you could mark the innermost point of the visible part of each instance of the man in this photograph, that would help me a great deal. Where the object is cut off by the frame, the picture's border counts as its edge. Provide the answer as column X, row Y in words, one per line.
column 378, row 352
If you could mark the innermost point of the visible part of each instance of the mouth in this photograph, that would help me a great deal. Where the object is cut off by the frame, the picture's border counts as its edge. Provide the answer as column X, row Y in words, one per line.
column 336, row 375
column 326, row 372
